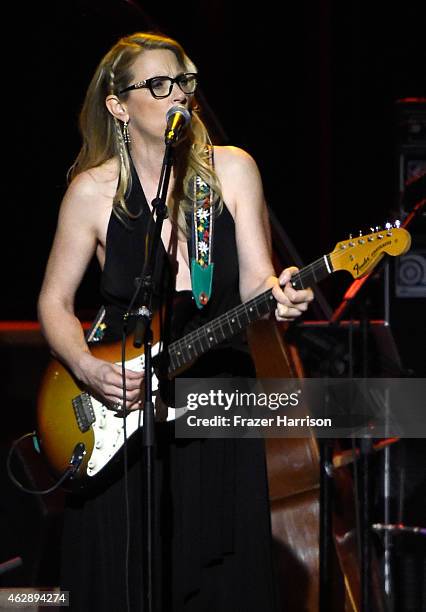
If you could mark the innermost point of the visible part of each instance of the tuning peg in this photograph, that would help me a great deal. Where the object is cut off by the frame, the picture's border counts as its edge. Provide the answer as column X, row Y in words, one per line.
column 372, row 229
column 397, row 223
column 350, row 236
column 360, row 233
column 388, row 225
column 378, row 228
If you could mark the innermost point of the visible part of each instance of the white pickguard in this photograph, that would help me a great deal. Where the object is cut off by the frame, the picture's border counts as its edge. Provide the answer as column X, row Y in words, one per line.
column 108, row 429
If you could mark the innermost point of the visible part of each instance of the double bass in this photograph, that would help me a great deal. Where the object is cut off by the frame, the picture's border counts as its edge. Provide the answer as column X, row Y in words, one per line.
column 294, row 486
column 294, row 478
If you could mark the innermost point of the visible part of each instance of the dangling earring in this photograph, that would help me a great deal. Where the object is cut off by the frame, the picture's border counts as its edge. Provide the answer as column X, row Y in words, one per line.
column 126, row 135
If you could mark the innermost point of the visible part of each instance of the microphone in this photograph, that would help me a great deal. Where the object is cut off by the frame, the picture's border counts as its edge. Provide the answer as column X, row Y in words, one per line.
column 177, row 118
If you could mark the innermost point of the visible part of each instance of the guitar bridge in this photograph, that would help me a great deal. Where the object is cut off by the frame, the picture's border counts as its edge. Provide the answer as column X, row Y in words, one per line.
column 83, row 411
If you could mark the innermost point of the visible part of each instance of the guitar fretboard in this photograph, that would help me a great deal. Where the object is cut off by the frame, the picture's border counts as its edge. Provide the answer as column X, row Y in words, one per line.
column 198, row 342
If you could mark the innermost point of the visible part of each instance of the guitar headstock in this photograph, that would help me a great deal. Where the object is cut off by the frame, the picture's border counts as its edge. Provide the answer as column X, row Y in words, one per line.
column 361, row 254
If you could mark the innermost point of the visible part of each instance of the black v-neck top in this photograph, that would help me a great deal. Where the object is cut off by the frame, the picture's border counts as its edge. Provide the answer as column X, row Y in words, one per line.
column 211, row 493
column 125, row 256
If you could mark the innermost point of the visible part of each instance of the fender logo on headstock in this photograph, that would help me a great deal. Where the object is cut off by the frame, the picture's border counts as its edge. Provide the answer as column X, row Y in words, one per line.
column 381, row 246
column 358, row 267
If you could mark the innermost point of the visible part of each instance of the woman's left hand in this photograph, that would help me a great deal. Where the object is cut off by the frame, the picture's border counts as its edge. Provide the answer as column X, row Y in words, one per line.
column 291, row 302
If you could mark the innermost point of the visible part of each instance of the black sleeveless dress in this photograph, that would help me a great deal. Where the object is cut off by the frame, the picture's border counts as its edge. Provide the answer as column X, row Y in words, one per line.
column 213, row 546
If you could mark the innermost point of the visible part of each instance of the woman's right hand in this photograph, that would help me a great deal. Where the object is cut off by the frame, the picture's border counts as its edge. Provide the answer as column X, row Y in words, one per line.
column 105, row 380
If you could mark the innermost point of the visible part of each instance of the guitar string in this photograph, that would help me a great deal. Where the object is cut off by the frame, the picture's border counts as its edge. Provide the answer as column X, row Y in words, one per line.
column 260, row 300
column 300, row 276
column 240, row 309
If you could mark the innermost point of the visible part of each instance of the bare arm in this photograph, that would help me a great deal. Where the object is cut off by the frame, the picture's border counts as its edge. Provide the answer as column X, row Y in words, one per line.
column 243, row 192
column 74, row 245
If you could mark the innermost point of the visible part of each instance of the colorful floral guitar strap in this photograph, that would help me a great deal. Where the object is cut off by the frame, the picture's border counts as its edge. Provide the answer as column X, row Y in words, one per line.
column 202, row 265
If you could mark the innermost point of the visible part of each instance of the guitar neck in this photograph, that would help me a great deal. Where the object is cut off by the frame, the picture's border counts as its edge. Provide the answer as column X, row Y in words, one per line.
column 196, row 343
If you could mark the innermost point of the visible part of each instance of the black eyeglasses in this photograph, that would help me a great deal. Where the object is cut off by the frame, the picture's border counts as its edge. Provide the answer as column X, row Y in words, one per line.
column 161, row 86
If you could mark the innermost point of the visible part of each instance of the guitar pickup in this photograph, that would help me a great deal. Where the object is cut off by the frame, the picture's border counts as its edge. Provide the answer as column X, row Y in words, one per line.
column 83, row 411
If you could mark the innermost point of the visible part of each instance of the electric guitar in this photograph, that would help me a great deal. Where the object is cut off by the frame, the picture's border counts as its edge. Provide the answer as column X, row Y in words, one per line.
column 76, row 432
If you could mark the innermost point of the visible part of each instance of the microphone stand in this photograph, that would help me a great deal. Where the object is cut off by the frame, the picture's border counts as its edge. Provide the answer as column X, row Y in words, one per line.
column 365, row 444
column 365, row 450
column 143, row 335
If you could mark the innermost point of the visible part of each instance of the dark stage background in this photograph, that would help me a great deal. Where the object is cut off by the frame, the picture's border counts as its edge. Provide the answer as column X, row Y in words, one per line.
column 308, row 88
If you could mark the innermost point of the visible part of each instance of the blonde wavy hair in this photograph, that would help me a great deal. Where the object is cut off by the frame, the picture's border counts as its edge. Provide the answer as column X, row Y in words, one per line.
column 102, row 135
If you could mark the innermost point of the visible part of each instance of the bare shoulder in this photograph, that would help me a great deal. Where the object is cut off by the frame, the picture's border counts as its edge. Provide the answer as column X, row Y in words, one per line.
column 233, row 159
column 89, row 196
column 239, row 176
column 96, row 185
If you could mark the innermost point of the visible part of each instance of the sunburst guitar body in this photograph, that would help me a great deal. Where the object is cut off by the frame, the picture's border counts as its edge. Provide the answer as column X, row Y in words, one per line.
column 78, row 433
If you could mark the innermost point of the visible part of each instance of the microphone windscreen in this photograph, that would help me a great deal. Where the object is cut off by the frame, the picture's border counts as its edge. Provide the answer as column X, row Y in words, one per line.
column 181, row 110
